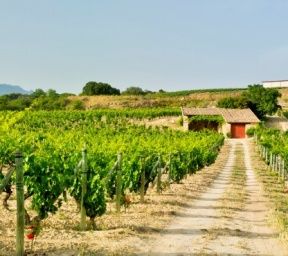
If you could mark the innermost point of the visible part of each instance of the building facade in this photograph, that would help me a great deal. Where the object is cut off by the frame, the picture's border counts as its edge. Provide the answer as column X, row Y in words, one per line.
column 275, row 84
column 236, row 121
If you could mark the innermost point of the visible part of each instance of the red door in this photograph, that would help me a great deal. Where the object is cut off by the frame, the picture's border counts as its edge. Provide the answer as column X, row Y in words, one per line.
column 238, row 131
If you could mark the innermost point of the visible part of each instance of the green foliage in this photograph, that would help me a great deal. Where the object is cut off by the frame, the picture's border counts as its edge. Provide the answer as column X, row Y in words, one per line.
column 15, row 102
column 285, row 114
column 38, row 93
column 50, row 102
column 251, row 131
column 262, row 101
column 231, row 102
column 94, row 200
column 134, row 91
column 38, row 100
column 98, row 88
column 205, row 118
column 76, row 105
column 51, row 143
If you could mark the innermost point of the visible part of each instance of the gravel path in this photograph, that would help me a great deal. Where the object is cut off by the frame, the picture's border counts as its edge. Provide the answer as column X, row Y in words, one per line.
column 202, row 230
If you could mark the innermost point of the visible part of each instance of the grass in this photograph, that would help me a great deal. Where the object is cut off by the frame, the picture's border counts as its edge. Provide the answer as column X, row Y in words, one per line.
column 274, row 190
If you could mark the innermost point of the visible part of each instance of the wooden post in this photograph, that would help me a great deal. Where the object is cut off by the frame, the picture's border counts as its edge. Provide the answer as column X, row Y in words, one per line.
column 267, row 156
column 271, row 160
column 142, row 188
column 284, row 171
column 84, row 188
column 119, row 183
column 159, row 174
column 276, row 163
column 278, row 167
column 20, row 204
column 169, row 170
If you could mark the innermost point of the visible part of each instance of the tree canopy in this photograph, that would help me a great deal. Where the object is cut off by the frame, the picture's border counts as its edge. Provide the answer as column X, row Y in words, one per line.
column 98, row 88
column 134, row 91
column 262, row 101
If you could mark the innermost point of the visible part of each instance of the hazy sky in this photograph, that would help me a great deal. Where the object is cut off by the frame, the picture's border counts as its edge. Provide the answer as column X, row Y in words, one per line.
column 154, row 44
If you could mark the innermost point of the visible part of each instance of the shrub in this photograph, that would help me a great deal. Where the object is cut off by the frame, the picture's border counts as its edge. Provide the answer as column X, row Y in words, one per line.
column 251, row 131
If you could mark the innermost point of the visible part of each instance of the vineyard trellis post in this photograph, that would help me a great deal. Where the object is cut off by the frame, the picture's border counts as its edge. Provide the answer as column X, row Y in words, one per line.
column 119, row 182
column 170, row 170
column 159, row 174
column 20, row 204
column 278, row 165
column 142, row 188
column 84, row 188
column 284, row 171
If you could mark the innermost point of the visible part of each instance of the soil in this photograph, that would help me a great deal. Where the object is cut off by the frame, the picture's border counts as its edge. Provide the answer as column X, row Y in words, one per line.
column 187, row 219
column 203, row 229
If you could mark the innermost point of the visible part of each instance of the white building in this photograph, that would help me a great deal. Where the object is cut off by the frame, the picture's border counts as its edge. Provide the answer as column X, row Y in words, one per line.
column 275, row 84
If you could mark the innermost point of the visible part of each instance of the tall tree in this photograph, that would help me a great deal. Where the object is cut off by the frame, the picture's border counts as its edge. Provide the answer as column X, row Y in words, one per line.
column 133, row 91
column 262, row 101
column 98, row 88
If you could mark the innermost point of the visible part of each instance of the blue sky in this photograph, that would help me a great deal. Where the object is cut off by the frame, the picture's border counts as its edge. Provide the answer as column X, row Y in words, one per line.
column 153, row 44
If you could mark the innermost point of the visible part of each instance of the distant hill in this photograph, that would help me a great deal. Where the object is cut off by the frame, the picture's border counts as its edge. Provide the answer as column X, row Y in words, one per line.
column 8, row 88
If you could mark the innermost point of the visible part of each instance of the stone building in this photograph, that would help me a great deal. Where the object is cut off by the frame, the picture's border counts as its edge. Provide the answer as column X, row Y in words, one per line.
column 232, row 122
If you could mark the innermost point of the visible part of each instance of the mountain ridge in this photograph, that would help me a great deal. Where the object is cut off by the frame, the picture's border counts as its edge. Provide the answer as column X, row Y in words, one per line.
column 9, row 88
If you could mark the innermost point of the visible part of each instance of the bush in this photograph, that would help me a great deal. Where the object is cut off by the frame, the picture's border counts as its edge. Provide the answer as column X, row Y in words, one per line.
column 251, row 131
column 95, row 88
column 77, row 105
column 231, row 102
column 133, row 91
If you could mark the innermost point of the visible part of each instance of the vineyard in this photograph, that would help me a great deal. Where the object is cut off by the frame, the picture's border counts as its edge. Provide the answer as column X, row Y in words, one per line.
column 273, row 148
column 95, row 157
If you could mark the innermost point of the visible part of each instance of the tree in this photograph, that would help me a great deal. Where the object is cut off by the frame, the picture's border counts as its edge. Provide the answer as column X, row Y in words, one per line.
column 38, row 93
column 133, row 91
column 98, row 88
column 52, row 93
column 262, row 101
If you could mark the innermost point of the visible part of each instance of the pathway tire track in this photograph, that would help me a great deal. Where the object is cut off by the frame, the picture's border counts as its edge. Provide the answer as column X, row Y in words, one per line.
column 202, row 230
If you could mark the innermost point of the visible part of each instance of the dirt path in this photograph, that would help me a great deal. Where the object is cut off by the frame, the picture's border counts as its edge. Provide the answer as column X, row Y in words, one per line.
column 202, row 229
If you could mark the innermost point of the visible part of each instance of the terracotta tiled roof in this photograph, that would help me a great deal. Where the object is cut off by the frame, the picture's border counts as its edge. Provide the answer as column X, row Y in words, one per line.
column 230, row 115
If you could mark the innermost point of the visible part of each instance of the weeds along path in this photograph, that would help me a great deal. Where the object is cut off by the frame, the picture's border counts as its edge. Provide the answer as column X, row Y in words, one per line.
column 230, row 218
